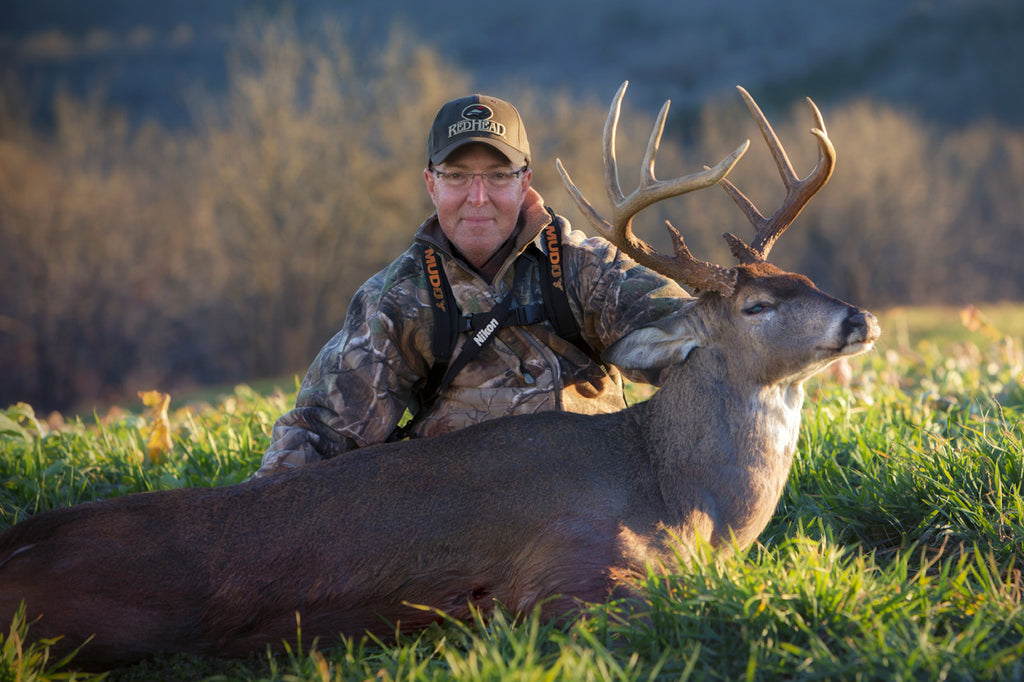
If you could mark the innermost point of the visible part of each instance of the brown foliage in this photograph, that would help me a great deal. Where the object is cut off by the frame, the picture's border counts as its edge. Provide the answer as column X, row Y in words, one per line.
column 134, row 257
column 912, row 214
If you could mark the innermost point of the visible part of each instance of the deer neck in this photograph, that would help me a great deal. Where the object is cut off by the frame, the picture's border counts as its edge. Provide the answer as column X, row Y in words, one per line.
column 723, row 446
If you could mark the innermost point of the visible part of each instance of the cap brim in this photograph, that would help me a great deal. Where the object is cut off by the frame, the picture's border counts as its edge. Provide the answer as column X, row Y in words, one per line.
column 514, row 155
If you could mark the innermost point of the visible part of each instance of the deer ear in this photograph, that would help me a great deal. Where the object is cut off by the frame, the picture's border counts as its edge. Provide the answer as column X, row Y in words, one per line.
column 654, row 347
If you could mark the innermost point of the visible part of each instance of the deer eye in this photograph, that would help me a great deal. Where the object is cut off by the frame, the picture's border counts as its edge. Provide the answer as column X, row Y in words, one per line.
column 756, row 308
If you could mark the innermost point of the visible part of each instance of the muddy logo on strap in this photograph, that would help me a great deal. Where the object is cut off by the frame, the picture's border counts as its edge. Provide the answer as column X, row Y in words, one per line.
column 434, row 277
column 554, row 255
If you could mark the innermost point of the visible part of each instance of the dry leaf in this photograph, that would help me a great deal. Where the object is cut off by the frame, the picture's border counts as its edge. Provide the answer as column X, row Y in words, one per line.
column 158, row 430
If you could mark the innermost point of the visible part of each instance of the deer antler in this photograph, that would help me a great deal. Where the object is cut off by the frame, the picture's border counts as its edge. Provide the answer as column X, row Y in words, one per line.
column 683, row 267
column 798, row 192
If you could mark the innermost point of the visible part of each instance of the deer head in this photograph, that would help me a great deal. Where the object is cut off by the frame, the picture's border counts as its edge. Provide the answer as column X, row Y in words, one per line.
column 789, row 328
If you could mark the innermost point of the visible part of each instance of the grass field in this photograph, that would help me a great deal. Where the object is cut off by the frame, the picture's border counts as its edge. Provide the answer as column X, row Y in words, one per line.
column 895, row 554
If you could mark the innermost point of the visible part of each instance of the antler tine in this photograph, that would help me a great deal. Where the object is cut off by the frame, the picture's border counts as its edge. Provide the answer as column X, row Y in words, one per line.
column 611, row 125
column 683, row 267
column 798, row 191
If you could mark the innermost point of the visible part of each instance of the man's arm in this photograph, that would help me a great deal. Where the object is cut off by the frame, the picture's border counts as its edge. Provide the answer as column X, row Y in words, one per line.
column 356, row 390
column 616, row 295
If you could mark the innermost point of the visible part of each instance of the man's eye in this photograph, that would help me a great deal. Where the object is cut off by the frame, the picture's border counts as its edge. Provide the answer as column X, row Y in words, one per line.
column 455, row 176
column 499, row 175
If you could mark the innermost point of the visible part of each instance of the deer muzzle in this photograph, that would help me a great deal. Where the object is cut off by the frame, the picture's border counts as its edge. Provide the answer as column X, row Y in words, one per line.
column 859, row 331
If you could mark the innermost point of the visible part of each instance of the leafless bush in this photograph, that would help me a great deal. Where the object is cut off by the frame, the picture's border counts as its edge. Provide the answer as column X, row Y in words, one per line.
column 90, row 241
column 311, row 180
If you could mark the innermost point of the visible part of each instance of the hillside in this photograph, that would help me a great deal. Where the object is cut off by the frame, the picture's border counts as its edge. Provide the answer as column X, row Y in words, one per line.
column 950, row 61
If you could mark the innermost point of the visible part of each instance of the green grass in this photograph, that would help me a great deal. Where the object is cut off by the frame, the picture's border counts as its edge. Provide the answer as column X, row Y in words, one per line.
column 896, row 551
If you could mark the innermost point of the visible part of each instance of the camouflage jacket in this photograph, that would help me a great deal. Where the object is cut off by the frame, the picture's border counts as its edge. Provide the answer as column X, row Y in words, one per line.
column 362, row 381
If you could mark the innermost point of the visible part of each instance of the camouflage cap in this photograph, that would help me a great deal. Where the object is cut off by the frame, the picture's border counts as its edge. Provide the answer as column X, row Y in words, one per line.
column 478, row 118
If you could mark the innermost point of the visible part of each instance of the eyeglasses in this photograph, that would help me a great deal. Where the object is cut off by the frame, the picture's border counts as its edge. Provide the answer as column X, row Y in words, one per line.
column 501, row 179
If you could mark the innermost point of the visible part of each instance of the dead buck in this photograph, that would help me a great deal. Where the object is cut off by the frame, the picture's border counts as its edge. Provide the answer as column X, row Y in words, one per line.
column 551, row 509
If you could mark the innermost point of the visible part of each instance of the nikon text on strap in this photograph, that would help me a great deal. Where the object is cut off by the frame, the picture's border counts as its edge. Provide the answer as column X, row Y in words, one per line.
column 441, row 373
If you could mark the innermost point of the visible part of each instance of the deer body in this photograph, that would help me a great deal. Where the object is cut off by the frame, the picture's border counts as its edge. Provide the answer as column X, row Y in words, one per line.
column 344, row 543
column 549, row 510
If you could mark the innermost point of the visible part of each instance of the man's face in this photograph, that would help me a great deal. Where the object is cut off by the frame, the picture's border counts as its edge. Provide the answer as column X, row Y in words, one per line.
column 477, row 219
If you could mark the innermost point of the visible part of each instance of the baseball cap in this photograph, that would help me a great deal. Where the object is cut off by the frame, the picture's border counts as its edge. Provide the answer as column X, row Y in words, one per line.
column 478, row 118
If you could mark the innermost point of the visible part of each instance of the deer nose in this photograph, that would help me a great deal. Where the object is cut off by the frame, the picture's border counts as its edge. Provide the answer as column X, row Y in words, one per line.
column 860, row 325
